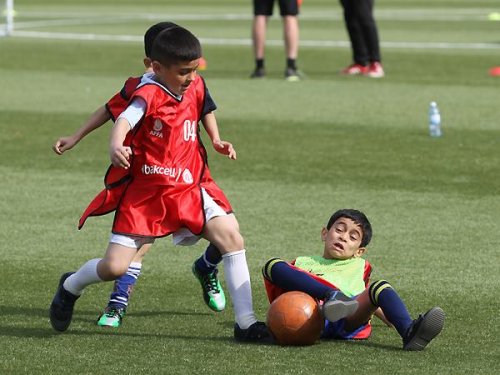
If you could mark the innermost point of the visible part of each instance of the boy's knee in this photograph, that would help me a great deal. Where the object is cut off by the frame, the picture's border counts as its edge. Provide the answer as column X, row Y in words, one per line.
column 111, row 270
column 233, row 241
column 267, row 268
column 376, row 288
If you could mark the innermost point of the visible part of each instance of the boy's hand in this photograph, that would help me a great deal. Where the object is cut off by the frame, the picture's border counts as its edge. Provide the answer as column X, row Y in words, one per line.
column 225, row 148
column 64, row 144
column 380, row 314
column 120, row 156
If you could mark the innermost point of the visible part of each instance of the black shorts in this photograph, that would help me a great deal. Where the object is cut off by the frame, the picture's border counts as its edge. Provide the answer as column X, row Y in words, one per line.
column 265, row 7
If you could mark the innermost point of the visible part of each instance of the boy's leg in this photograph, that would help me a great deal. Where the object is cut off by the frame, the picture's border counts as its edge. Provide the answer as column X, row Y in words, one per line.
column 205, row 270
column 416, row 334
column 122, row 289
column 123, row 286
column 336, row 304
column 258, row 39
column 223, row 232
column 119, row 298
column 71, row 285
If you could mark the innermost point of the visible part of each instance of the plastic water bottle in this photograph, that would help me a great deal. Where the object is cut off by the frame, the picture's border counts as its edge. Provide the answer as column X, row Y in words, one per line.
column 434, row 120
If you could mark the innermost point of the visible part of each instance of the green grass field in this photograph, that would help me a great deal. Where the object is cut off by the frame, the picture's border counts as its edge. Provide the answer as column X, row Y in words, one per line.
column 304, row 150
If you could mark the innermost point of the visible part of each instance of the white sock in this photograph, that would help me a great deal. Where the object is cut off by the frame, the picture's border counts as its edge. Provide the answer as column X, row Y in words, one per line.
column 134, row 269
column 238, row 283
column 86, row 275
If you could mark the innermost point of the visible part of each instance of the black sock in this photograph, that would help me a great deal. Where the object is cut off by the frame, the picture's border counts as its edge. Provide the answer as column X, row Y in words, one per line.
column 259, row 63
column 280, row 273
column 291, row 64
column 207, row 263
column 383, row 295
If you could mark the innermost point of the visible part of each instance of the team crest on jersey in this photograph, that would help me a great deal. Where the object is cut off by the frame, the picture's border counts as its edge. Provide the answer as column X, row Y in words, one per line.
column 157, row 129
column 187, row 177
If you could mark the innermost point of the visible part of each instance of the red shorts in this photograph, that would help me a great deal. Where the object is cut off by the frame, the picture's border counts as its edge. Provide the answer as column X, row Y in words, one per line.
column 153, row 210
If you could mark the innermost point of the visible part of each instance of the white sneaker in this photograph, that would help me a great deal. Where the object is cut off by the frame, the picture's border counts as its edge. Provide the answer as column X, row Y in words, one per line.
column 337, row 306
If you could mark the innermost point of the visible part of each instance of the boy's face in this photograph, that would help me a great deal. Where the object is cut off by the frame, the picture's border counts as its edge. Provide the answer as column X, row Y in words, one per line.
column 177, row 77
column 343, row 240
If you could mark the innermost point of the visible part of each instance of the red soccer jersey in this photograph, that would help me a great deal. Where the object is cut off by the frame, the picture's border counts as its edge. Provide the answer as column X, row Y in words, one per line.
column 161, row 192
column 119, row 102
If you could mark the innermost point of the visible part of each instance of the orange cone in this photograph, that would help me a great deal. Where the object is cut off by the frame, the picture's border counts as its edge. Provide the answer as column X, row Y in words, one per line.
column 202, row 64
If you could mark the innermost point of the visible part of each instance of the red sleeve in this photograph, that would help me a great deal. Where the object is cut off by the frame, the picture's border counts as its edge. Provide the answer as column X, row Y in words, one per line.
column 367, row 273
column 151, row 94
column 118, row 103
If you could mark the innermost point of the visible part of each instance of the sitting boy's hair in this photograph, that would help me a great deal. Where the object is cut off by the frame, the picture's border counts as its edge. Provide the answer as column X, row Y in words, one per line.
column 175, row 45
column 359, row 218
column 152, row 33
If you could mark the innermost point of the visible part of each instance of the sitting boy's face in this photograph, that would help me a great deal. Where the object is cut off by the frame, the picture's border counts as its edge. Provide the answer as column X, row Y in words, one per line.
column 343, row 240
column 177, row 77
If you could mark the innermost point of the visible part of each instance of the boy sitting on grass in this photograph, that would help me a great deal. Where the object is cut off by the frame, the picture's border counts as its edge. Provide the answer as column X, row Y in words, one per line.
column 340, row 278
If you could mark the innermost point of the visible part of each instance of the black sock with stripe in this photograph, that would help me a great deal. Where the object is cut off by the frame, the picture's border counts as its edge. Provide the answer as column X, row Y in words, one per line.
column 282, row 274
column 384, row 296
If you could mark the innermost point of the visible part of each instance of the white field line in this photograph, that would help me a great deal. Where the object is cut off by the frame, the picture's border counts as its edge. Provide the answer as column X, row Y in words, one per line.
column 248, row 42
column 414, row 14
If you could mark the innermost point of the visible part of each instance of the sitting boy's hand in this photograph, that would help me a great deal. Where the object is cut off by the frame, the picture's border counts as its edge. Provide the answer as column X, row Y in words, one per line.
column 120, row 156
column 225, row 148
column 380, row 314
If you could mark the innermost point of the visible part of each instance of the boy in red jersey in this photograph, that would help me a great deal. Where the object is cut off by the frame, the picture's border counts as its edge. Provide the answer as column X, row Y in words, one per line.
column 159, row 183
column 204, row 268
column 340, row 279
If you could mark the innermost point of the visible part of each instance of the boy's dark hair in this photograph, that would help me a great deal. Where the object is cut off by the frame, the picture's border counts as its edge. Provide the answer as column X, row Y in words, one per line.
column 359, row 218
column 152, row 33
column 175, row 45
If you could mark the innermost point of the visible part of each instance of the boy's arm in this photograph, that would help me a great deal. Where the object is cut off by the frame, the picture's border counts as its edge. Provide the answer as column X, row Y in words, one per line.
column 210, row 124
column 96, row 120
column 380, row 314
column 118, row 153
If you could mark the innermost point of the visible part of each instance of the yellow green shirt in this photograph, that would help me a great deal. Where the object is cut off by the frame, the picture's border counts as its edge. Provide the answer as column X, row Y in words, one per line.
column 347, row 275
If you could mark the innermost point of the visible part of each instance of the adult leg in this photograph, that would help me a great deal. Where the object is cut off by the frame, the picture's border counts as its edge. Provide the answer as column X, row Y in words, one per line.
column 291, row 36
column 358, row 44
column 262, row 10
column 368, row 28
column 289, row 11
column 258, row 40
column 259, row 36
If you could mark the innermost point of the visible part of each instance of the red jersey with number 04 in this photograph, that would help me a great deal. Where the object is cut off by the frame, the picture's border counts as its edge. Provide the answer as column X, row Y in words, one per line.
column 161, row 192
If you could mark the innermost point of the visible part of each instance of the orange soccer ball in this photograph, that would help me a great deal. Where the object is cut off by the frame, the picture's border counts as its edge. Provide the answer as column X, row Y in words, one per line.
column 294, row 318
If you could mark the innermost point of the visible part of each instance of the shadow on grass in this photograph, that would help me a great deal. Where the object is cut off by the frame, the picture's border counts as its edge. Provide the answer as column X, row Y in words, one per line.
column 43, row 333
column 166, row 312
column 21, row 328
column 38, row 312
column 364, row 343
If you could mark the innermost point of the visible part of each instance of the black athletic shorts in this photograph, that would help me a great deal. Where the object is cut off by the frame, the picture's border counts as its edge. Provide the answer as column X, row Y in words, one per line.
column 265, row 7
